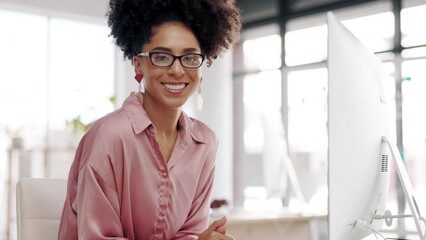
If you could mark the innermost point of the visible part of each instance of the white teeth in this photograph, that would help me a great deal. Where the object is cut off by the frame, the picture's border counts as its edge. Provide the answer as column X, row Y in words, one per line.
column 174, row 87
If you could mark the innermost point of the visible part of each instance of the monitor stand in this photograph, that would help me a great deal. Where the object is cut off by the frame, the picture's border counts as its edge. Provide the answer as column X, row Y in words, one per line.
column 408, row 192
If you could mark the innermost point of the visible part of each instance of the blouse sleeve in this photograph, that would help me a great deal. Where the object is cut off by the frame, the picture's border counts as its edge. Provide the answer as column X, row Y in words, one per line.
column 97, row 207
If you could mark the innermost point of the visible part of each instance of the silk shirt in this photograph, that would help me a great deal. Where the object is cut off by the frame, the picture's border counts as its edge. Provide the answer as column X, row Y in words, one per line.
column 121, row 187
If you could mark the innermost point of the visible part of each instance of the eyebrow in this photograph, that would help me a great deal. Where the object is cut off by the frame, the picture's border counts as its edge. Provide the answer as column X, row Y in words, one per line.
column 186, row 50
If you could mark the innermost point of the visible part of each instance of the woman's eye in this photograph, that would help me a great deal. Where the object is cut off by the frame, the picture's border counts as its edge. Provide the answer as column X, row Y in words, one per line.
column 162, row 58
column 190, row 59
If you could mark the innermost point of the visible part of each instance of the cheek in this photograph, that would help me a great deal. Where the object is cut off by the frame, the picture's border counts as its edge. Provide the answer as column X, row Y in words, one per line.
column 196, row 76
column 151, row 73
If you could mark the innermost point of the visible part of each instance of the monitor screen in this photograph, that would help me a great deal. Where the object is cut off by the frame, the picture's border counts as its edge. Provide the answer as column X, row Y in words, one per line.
column 358, row 177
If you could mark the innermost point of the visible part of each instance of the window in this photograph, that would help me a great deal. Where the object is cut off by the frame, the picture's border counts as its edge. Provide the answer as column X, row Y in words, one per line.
column 262, row 53
column 22, row 93
column 306, row 45
column 414, row 118
column 81, row 71
column 23, row 76
column 306, row 49
column 307, row 110
column 261, row 115
column 412, row 35
column 378, row 36
column 53, row 72
column 412, row 99
column 302, row 87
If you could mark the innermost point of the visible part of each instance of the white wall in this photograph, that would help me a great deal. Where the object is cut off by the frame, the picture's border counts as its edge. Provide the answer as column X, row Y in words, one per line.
column 125, row 82
column 217, row 114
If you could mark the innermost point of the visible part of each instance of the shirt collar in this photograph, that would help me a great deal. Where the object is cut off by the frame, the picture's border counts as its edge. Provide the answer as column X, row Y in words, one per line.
column 140, row 121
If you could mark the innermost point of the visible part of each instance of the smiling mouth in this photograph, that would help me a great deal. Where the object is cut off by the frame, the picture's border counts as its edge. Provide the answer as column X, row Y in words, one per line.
column 179, row 86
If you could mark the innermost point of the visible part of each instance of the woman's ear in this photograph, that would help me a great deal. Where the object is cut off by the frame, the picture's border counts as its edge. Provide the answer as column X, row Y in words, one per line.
column 137, row 65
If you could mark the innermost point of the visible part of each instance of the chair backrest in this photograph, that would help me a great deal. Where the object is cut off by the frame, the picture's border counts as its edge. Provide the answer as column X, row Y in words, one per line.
column 39, row 203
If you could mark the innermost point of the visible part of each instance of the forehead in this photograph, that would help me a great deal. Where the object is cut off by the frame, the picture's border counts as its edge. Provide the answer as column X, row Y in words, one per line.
column 174, row 36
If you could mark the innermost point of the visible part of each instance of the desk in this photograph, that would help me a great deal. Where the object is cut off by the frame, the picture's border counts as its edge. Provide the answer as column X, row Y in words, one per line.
column 274, row 225
column 393, row 236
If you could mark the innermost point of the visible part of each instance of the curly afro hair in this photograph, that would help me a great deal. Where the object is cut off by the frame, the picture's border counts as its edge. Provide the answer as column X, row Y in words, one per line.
column 215, row 23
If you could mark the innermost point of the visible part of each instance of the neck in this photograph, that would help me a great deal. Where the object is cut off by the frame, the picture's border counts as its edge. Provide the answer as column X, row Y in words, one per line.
column 164, row 120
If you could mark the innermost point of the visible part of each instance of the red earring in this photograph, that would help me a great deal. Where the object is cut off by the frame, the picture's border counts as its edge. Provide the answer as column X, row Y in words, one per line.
column 139, row 77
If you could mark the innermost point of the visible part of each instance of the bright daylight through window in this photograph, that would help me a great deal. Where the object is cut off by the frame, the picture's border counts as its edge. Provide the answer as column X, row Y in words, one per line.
column 49, row 92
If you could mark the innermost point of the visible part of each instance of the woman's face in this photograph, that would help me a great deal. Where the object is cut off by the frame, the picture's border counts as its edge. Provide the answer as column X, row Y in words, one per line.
column 169, row 87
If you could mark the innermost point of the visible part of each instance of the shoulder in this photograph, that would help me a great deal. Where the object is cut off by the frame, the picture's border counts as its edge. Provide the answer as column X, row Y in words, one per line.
column 103, row 144
column 111, row 125
column 107, row 133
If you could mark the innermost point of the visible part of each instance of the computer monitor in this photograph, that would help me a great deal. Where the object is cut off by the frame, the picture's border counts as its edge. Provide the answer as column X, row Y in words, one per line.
column 360, row 152
column 358, row 179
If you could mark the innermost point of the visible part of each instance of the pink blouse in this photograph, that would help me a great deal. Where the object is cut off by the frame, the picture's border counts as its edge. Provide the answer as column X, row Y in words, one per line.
column 120, row 186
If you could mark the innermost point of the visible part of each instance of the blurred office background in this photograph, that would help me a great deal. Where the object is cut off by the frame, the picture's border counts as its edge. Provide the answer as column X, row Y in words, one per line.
column 266, row 99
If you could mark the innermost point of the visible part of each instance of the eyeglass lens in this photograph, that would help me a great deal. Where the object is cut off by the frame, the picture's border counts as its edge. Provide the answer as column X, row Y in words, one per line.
column 166, row 60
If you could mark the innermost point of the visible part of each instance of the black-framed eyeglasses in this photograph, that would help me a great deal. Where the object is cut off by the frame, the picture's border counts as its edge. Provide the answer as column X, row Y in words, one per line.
column 161, row 59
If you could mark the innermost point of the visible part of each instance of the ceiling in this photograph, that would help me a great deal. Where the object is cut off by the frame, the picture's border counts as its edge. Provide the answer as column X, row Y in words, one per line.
column 260, row 10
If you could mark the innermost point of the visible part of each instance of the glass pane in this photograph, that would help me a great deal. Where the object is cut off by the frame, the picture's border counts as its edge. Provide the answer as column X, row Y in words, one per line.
column 262, row 53
column 262, row 96
column 261, row 49
column 309, row 45
column 23, row 59
column 53, row 71
column 22, row 100
column 307, row 110
column 306, row 45
column 307, row 132
column 378, row 36
column 414, row 99
column 81, row 72
column 412, row 32
column 414, row 128
column 264, row 142
column 414, row 118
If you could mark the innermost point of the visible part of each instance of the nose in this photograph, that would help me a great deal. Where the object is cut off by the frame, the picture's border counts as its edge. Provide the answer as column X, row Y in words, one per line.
column 176, row 68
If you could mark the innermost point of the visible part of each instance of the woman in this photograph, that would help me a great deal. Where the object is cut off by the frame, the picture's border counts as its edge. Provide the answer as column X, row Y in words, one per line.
column 146, row 170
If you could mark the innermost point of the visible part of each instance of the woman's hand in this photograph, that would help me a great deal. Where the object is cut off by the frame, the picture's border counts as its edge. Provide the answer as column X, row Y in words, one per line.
column 216, row 231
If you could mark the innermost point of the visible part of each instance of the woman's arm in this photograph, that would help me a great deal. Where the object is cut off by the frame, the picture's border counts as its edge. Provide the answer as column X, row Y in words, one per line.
column 97, row 207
